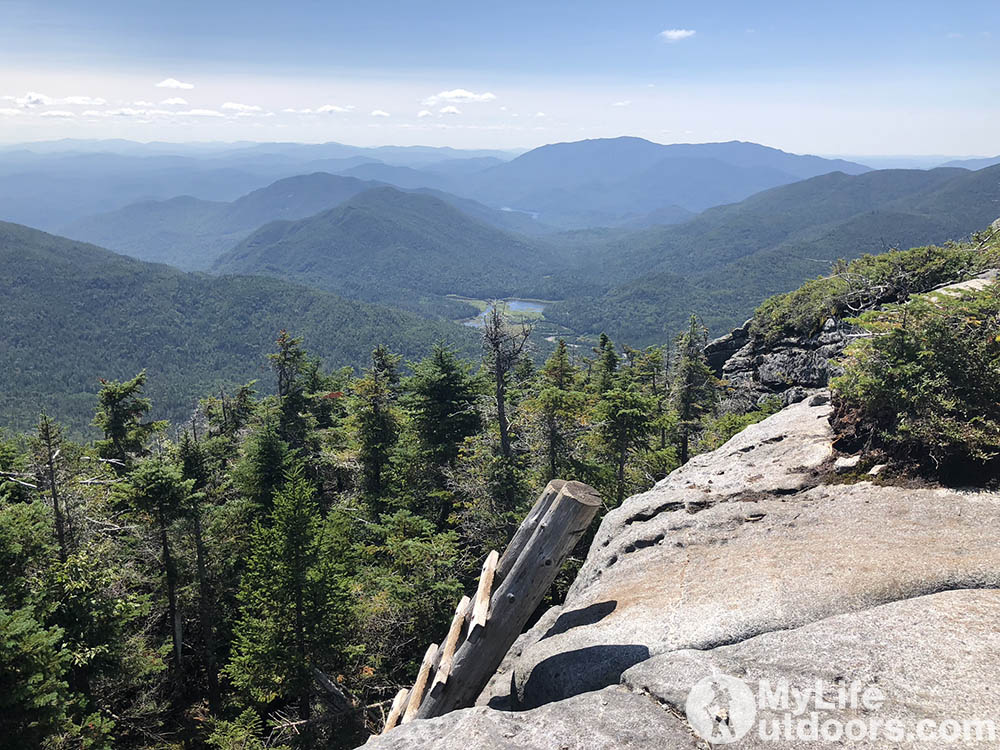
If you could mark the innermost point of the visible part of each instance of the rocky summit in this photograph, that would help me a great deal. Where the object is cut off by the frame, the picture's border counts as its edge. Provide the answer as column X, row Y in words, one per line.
column 759, row 562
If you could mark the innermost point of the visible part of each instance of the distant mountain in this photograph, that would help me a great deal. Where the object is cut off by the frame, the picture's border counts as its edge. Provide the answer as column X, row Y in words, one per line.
column 53, row 194
column 973, row 163
column 727, row 260
column 74, row 313
column 54, row 183
column 404, row 177
column 605, row 182
column 191, row 234
column 386, row 245
column 453, row 167
column 616, row 180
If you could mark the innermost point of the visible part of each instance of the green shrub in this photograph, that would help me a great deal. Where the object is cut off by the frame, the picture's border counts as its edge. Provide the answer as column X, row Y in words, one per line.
column 925, row 387
column 862, row 283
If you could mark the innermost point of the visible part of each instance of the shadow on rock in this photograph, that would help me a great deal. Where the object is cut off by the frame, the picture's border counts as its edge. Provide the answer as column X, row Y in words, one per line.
column 578, row 617
column 574, row 672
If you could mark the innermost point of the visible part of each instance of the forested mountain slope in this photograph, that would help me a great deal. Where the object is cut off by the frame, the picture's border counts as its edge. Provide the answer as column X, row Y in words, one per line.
column 385, row 245
column 73, row 313
column 727, row 260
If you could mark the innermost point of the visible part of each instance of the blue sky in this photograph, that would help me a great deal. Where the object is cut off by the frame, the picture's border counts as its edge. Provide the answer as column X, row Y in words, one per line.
column 846, row 77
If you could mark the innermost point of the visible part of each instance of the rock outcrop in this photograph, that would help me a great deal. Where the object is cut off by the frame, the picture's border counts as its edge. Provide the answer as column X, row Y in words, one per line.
column 794, row 368
column 752, row 561
column 790, row 369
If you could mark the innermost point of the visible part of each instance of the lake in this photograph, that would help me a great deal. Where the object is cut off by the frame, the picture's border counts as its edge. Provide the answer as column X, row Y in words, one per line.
column 514, row 306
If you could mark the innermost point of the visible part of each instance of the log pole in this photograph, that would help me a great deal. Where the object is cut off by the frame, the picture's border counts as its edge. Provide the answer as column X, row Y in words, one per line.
column 514, row 600
column 481, row 604
column 455, row 633
column 417, row 692
column 527, row 528
column 398, row 706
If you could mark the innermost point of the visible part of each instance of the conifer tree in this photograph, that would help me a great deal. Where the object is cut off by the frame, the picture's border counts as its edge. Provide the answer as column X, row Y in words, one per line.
column 559, row 403
column 158, row 488
column 606, row 366
column 121, row 408
column 441, row 395
column 193, row 468
column 299, row 379
column 289, row 604
column 693, row 385
column 376, row 420
column 261, row 469
column 625, row 418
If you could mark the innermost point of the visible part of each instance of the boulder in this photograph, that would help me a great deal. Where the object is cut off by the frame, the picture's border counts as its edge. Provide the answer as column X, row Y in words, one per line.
column 931, row 658
column 720, row 350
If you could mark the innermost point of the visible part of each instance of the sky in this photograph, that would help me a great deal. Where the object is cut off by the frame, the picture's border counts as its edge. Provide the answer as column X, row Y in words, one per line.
column 836, row 78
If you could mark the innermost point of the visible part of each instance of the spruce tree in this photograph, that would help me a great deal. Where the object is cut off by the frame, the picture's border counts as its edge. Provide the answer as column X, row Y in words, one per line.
column 289, row 605
column 559, row 403
column 606, row 366
column 260, row 471
column 625, row 419
column 194, row 468
column 693, row 385
column 376, row 420
column 121, row 408
column 441, row 396
column 158, row 488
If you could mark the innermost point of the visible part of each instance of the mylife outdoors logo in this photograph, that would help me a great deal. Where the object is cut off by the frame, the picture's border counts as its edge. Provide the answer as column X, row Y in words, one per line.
column 723, row 709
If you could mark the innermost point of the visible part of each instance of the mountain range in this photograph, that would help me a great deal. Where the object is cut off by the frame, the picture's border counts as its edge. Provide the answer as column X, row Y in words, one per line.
column 346, row 261
column 602, row 182
column 191, row 233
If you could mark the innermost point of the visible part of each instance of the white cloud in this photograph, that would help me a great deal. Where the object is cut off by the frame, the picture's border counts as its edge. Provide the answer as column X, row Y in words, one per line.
column 298, row 111
column 954, row 35
column 379, row 113
column 623, row 103
column 33, row 99
column 141, row 103
column 237, row 107
column 8, row 111
column 450, row 110
column 424, row 113
column 58, row 113
column 174, row 101
column 675, row 35
column 173, row 83
column 200, row 113
column 88, row 100
column 335, row 108
column 540, row 114
column 459, row 95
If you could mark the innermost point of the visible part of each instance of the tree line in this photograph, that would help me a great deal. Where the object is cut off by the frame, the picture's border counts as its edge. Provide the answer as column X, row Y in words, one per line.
column 269, row 573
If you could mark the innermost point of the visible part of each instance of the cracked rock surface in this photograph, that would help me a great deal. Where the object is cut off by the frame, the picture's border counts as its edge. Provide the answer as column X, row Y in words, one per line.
column 744, row 562
column 608, row 719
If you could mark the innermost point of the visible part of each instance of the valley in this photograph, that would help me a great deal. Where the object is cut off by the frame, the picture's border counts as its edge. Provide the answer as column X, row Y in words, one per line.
column 383, row 232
